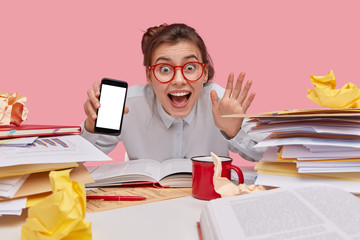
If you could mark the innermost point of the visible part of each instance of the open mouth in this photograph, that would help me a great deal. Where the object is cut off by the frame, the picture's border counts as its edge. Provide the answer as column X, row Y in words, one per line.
column 179, row 99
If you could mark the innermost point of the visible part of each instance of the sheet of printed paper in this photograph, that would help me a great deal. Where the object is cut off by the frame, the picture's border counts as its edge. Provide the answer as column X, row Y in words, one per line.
column 12, row 207
column 152, row 194
column 60, row 149
column 10, row 185
column 19, row 142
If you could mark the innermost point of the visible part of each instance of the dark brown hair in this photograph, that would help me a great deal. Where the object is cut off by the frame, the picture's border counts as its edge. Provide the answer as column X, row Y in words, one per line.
column 174, row 33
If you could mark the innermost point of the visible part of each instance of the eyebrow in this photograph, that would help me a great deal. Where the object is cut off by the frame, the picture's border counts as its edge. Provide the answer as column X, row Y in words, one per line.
column 168, row 59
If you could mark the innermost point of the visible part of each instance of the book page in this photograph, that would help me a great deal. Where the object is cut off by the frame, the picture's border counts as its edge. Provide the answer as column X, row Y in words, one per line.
column 320, row 212
column 176, row 165
column 134, row 170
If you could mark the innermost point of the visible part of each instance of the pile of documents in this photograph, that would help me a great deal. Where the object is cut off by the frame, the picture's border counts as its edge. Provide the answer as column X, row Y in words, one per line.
column 25, row 163
column 310, row 146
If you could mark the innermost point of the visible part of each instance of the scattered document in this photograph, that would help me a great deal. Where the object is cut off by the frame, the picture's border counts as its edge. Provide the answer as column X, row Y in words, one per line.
column 152, row 195
column 17, row 142
column 313, row 144
column 10, row 185
column 311, row 164
column 40, row 183
column 289, row 181
column 308, row 142
column 323, row 169
column 12, row 207
column 60, row 149
column 307, row 212
column 301, row 152
column 34, row 168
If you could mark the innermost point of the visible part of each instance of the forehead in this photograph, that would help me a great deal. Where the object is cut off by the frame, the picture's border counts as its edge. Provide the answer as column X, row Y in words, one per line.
column 176, row 52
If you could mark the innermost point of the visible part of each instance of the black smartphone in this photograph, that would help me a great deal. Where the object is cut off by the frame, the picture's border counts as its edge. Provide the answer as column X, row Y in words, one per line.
column 112, row 104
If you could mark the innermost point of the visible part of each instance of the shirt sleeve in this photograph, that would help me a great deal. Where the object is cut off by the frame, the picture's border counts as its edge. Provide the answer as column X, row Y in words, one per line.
column 105, row 143
column 243, row 143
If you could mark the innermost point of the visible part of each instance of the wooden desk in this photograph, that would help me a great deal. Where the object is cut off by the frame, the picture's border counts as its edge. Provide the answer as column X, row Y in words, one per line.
column 170, row 219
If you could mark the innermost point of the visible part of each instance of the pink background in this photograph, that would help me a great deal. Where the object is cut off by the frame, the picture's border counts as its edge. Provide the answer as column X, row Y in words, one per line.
column 52, row 52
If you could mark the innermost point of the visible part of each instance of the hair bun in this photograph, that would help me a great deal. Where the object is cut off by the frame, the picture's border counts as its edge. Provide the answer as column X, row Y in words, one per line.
column 148, row 35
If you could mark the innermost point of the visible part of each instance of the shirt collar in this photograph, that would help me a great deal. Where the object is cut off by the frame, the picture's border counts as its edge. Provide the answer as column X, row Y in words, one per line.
column 167, row 119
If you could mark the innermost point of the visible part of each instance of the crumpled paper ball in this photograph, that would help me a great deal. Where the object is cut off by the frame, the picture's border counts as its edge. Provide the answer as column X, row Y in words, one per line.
column 12, row 108
column 61, row 214
column 324, row 93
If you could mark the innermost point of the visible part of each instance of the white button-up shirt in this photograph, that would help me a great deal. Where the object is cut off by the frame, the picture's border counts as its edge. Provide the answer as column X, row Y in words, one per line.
column 149, row 132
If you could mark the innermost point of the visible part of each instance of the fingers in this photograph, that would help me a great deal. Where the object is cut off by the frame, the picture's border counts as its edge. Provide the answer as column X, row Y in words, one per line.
column 93, row 95
column 238, row 85
column 214, row 99
column 248, row 102
column 92, row 102
column 229, row 85
column 239, row 93
column 126, row 110
column 245, row 92
column 90, row 111
column 96, row 88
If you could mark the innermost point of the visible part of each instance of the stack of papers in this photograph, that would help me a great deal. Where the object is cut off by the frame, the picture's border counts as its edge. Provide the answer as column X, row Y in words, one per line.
column 315, row 145
column 25, row 164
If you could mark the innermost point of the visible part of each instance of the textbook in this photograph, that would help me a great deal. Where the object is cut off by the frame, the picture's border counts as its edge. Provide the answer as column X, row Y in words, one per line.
column 27, row 130
column 175, row 172
column 306, row 212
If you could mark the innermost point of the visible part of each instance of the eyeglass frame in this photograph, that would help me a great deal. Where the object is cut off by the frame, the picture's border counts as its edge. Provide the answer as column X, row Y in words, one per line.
column 152, row 67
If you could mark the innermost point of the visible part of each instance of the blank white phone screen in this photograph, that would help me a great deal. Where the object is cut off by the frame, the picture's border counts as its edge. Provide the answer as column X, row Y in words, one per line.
column 111, row 107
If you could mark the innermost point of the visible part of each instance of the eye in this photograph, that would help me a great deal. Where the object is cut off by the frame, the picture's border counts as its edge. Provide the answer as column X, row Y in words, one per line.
column 165, row 68
column 190, row 67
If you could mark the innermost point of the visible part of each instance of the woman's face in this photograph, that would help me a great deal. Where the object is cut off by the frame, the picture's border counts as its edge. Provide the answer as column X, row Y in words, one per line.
column 179, row 96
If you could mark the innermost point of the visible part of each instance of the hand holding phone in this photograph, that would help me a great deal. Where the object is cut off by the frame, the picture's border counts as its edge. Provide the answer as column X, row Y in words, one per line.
column 112, row 103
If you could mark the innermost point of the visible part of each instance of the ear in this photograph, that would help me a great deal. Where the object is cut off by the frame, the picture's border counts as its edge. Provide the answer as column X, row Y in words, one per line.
column 148, row 75
column 206, row 74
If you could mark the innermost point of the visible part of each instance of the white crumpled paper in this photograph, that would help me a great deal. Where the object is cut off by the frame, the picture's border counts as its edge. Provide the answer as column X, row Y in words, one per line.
column 225, row 187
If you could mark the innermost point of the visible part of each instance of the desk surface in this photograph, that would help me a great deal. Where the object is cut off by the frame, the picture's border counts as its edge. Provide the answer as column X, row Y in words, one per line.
column 170, row 219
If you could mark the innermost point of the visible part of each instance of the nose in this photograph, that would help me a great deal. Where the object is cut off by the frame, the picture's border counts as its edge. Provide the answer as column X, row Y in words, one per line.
column 178, row 78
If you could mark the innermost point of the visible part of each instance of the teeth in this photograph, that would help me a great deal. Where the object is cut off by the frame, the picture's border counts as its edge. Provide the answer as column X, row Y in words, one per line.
column 179, row 94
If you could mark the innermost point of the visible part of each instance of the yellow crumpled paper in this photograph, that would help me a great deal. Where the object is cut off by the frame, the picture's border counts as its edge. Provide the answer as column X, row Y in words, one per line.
column 325, row 94
column 61, row 214
column 225, row 187
column 12, row 108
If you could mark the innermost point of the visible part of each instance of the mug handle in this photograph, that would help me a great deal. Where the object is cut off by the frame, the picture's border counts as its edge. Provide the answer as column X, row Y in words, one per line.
column 238, row 172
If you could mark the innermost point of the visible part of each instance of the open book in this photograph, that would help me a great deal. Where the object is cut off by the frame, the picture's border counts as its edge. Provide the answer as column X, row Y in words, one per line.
column 307, row 212
column 172, row 172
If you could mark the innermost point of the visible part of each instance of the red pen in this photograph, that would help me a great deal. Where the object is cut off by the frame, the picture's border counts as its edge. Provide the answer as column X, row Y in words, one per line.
column 117, row 198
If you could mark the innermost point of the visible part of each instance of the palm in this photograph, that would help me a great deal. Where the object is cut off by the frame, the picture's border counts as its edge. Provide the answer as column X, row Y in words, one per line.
column 234, row 101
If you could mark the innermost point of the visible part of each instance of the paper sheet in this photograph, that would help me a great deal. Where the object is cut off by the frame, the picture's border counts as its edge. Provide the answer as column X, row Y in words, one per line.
column 61, row 149
column 34, row 168
column 289, row 181
column 152, row 194
column 225, row 187
column 10, row 185
column 39, row 182
column 324, row 93
column 17, row 142
column 61, row 214
column 12, row 207
column 12, row 108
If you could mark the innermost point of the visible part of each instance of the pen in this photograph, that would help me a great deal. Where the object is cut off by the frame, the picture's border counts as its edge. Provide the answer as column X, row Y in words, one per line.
column 117, row 198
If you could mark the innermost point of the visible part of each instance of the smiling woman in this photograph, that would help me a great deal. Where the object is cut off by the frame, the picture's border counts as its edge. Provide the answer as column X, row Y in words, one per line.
column 178, row 113
column 176, row 93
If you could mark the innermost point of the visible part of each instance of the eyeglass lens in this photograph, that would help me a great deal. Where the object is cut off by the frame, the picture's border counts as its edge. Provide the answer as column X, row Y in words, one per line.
column 191, row 71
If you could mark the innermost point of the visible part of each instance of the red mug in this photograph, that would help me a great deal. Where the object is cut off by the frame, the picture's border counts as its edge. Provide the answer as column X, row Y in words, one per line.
column 203, row 173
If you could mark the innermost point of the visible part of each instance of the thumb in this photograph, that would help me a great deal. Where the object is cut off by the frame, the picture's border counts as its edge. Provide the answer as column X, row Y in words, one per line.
column 214, row 100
